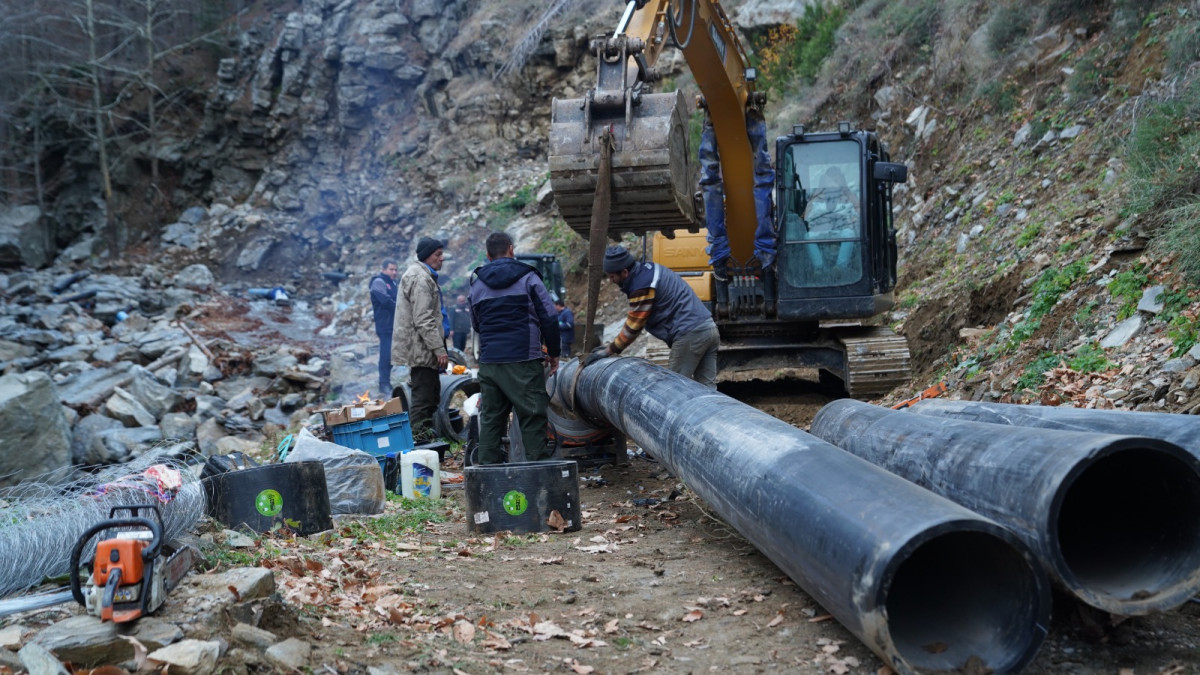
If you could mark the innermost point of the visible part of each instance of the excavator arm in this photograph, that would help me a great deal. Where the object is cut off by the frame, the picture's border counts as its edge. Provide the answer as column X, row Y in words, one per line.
column 652, row 174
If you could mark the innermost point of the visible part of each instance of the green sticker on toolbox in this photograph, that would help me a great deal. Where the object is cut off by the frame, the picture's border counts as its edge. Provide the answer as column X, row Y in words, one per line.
column 269, row 503
column 515, row 503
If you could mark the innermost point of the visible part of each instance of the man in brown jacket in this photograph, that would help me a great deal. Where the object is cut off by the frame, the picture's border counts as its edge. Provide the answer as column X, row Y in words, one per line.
column 417, row 337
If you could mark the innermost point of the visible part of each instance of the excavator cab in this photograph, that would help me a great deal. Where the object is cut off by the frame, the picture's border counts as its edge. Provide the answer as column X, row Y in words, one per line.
column 837, row 245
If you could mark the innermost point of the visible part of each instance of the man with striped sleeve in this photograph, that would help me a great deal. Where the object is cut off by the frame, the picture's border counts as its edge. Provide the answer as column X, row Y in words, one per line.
column 661, row 302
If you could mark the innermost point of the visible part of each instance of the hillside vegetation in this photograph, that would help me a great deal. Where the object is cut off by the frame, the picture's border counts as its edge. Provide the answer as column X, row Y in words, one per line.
column 1053, row 148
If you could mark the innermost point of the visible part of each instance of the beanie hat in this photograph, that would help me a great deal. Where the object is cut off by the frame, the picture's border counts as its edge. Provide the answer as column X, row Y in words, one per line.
column 426, row 247
column 616, row 258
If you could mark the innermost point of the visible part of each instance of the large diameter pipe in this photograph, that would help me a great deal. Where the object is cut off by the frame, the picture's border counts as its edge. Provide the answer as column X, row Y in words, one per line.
column 924, row 583
column 1182, row 430
column 1114, row 519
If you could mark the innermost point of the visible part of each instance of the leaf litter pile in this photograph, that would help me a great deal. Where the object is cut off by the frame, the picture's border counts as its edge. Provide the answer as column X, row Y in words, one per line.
column 651, row 582
column 654, row 582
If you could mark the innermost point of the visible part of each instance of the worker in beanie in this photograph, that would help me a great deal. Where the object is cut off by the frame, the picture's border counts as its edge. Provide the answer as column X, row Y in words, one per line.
column 418, row 338
column 661, row 302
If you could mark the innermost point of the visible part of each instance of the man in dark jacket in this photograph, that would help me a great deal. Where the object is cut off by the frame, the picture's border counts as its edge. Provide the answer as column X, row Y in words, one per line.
column 460, row 323
column 513, row 316
column 661, row 302
column 383, row 304
column 566, row 327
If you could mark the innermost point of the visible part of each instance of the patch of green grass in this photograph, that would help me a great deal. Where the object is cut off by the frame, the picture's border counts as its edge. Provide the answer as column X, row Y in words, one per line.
column 1127, row 288
column 1184, row 334
column 1090, row 358
column 908, row 299
column 1051, row 286
column 1183, row 323
column 507, row 209
column 380, row 638
column 1009, row 25
column 413, row 517
column 1034, row 374
column 1183, row 44
column 796, row 52
column 219, row 558
column 565, row 244
column 1030, row 234
column 622, row 643
column 1047, row 291
column 914, row 22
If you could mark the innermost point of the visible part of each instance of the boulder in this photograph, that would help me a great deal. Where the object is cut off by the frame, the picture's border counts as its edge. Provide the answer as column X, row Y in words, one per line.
column 121, row 445
column 196, row 277
column 122, row 406
column 37, row 659
column 188, row 657
column 252, row 256
column 178, row 425
column 274, row 363
column 207, row 434
column 88, row 385
column 154, row 395
column 161, row 340
column 24, row 240
column 31, row 420
column 193, row 365
column 84, row 437
column 291, row 654
column 85, row 640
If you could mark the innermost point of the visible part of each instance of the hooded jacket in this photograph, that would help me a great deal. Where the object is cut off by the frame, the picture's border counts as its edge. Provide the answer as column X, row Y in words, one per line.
column 417, row 337
column 512, row 313
column 383, row 303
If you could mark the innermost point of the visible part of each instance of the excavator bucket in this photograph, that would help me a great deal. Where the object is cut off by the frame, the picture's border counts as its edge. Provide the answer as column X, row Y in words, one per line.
column 652, row 175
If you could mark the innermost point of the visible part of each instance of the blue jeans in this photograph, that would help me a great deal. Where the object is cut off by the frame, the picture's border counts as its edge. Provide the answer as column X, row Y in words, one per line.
column 385, row 365
column 713, row 191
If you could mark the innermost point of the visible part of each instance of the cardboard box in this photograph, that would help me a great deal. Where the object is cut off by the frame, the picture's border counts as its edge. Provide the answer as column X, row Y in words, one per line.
column 359, row 412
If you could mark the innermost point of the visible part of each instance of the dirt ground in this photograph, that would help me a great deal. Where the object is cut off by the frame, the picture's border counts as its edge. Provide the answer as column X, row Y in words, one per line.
column 654, row 582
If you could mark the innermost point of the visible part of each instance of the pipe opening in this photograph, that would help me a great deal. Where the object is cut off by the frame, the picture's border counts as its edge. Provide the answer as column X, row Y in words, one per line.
column 1127, row 525
column 966, row 599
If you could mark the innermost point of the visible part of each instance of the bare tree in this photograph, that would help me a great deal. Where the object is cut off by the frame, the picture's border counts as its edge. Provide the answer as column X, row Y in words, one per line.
column 96, row 69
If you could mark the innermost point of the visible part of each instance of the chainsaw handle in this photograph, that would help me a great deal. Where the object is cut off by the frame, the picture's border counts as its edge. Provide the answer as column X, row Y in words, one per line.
column 148, row 553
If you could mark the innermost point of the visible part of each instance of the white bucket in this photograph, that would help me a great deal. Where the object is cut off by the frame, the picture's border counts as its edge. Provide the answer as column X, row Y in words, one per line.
column 420, row 474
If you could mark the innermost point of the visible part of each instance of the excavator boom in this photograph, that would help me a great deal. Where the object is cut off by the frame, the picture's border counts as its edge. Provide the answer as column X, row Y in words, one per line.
column 653, row 174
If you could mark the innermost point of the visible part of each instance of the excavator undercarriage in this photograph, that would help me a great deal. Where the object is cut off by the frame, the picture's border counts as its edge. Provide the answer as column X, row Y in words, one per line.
column 620, row 163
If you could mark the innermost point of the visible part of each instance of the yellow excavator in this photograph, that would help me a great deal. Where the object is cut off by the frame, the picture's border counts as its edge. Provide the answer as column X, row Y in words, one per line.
column 790, row 283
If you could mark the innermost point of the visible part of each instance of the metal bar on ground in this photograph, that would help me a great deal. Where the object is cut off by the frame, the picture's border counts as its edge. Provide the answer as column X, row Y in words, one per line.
column 899, row 567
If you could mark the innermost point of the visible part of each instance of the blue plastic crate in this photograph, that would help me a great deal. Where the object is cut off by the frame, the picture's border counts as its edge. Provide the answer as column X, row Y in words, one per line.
column 377, row 436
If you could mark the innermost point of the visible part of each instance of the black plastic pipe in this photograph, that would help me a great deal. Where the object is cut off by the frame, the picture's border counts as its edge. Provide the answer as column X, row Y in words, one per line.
column 924, row 583
column 1114, row 519
column 1182, row 430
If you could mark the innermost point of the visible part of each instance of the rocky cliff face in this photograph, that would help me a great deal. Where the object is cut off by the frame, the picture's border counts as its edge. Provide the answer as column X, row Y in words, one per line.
column 341, row 132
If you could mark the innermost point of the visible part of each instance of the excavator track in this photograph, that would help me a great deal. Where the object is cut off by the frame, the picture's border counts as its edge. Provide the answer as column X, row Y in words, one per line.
column 877, row 361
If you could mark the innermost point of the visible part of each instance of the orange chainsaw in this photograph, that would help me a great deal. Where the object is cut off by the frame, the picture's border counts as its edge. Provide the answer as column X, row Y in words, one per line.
column 127, row 578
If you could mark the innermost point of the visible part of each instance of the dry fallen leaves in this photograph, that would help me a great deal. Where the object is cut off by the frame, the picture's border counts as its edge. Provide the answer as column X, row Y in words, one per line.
column 579, row 667
column 556, row 521
column 694, row 614
column 464, row 632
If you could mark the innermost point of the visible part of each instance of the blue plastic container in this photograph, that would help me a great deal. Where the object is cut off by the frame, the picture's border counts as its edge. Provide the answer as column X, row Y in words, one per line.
column 377, row 436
